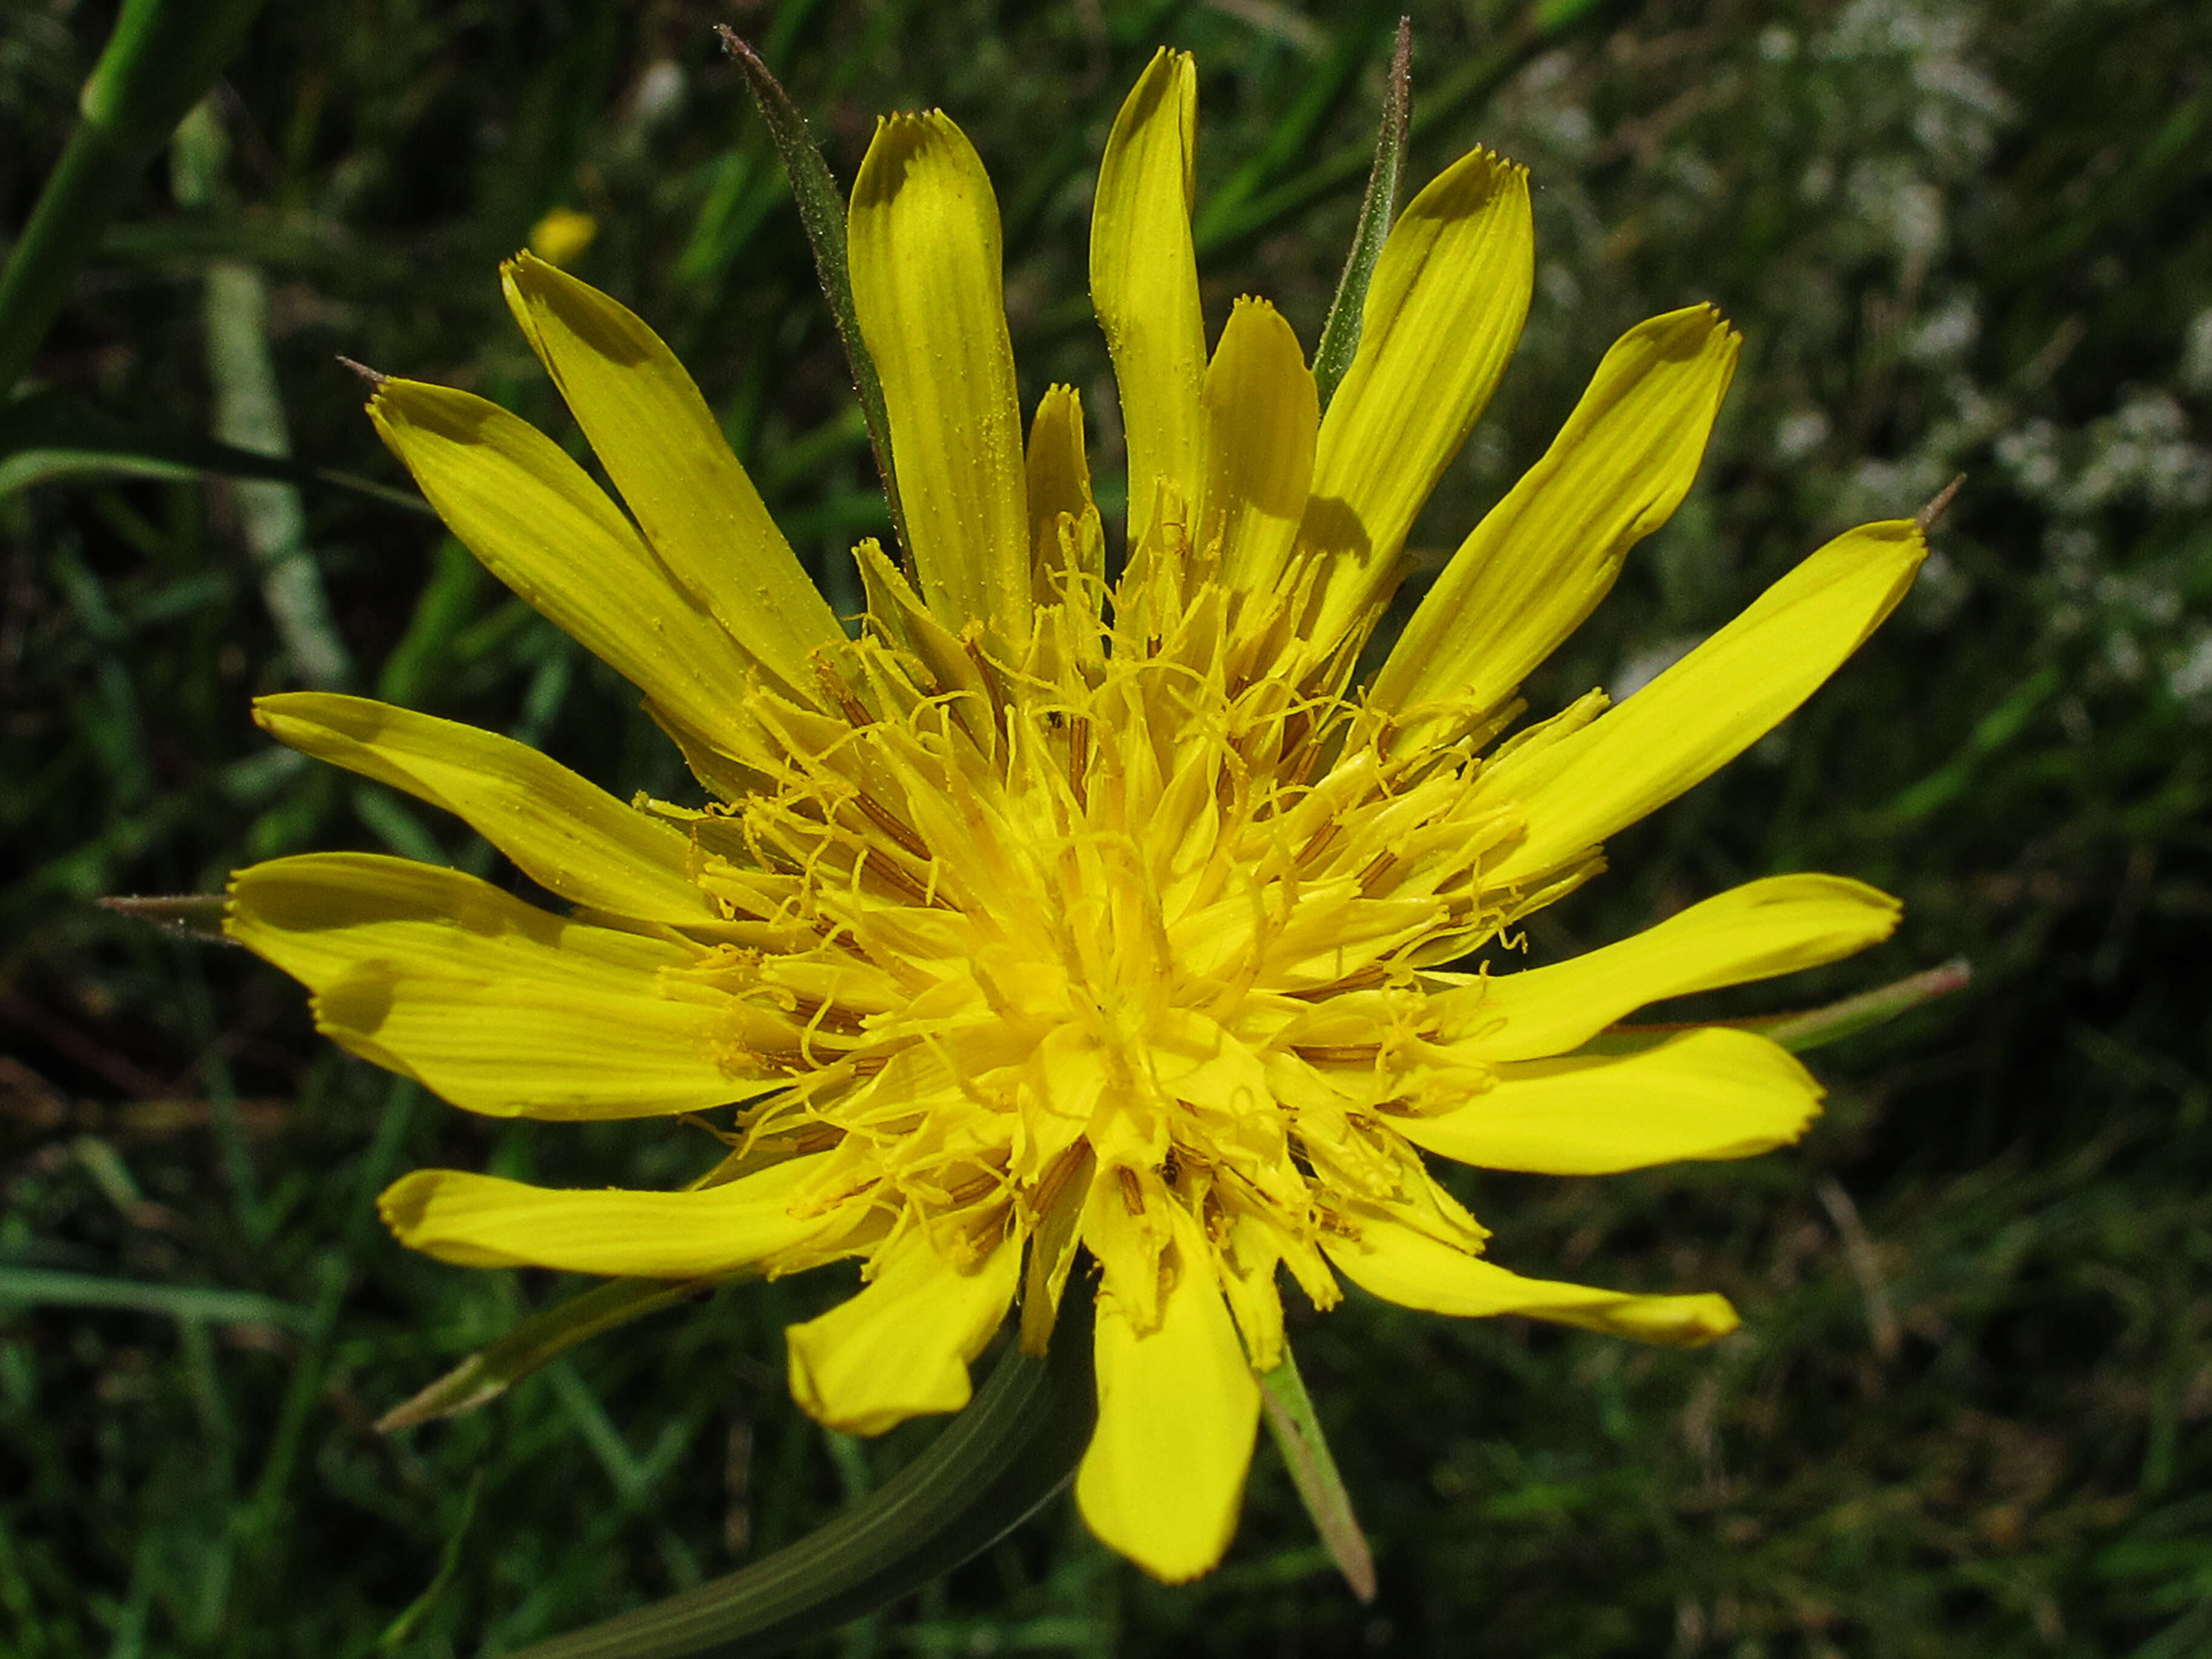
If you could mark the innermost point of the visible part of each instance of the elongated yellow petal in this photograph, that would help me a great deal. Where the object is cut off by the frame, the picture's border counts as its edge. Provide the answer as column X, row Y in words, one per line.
column 1177, row 1410
column 542, row 526
column 1143, row 281
column 1542, row 558
column 1712, row 1093
column 1761, row 929
column 1069, row 559
column 1443, row 311
column 1709, row 708
column 901, row 1348
column 924, row 244
column 482, row 1221
column 1262, row 417
column 498, row 1006
column 1408, row 1267
column 567, row 835
column 665, row 453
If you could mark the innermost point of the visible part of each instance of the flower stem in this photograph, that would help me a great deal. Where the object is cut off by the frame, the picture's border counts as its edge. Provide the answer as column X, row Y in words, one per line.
column 996, row 1464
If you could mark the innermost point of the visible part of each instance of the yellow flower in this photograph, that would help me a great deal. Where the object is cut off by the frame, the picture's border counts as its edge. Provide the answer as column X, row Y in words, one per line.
column 1056, row 914
column 561, row 237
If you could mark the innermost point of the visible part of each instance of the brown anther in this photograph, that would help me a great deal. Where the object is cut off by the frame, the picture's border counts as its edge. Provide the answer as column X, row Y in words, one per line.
column 1338, row 1054
column 994, row 687
column 842, row 693
column 1078, row 760
column 1133, row 1191
column 1047, row 1191
column 891, row 824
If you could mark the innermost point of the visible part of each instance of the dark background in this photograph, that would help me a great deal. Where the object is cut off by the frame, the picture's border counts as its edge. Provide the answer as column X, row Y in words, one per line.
column 1967, row 1413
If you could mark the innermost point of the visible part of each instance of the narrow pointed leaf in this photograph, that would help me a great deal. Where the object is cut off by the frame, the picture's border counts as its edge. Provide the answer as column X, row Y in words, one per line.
column 822, row 212
column 1289, row 1417
column 993, row 1466
column 489, row 1372
column 1339, row 335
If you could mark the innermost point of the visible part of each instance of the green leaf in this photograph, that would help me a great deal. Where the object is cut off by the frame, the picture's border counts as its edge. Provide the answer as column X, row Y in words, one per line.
column 821, row 211
column 1339, row 335
column 994, row 1465
column 46, row 434
column 1290, row 1416
column 489, row 1372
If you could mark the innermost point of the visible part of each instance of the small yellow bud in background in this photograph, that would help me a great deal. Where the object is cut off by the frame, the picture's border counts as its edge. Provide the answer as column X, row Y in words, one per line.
column 561, row 237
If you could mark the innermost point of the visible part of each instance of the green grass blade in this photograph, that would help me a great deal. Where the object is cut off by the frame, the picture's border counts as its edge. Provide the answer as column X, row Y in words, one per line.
column 821, row 211
column 489, row 1372
column 48, row 433
column 1289, row 1417
column 162, row 58
column 1339, row 335
column 49, row 1287
column 1014, row 1446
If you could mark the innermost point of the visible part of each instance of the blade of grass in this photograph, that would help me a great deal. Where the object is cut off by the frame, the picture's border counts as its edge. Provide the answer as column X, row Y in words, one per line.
column 49, row 1287
column 161, row 60
column 1289, row 1417
column 821, row 211
column 47, row 433
column 1339, row 335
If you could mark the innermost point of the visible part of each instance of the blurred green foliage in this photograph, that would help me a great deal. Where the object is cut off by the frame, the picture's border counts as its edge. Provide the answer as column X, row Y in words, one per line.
column 1968, row 1413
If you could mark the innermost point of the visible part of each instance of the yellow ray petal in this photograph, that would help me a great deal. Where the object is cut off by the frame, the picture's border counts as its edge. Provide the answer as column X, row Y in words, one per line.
column 482, row 1221
column 900, row 1347
column 1262, row 416
column 1710, row 1093
column 1756, row 931
column 923, row 240
column 665, row 453
column 1408, row 1267
column 1060, row 486
column 1177, row 1409
column 498, row 1006
column 542, row 526
column 1542, row 558
column 565, row 834
column 1443, row 310
column 1143, row 281
column 1709, row 708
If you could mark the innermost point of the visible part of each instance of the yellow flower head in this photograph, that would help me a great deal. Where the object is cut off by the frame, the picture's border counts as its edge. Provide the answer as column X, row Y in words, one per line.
column 1058, row 913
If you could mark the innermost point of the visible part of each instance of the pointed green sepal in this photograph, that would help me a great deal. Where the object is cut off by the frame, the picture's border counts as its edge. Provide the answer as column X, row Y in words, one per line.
column 1809, row 1028
column 491, row 1371
column 189, row 915
column 822, row 212
column 1339, row 335
column 1289, row 1417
